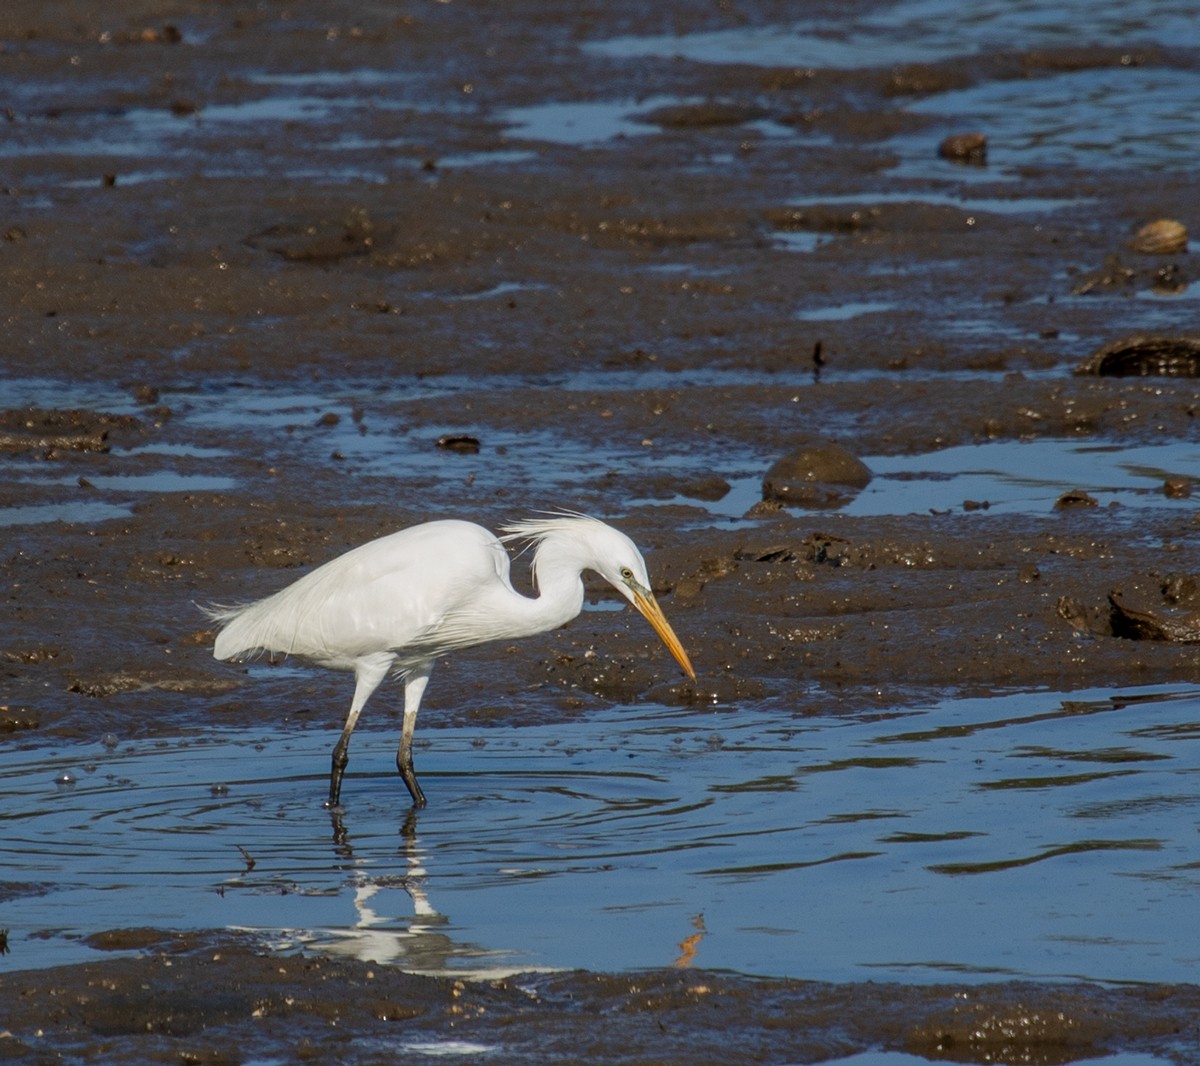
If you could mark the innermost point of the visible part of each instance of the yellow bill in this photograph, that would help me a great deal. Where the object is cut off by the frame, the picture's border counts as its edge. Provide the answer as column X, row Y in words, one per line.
column 645, row 602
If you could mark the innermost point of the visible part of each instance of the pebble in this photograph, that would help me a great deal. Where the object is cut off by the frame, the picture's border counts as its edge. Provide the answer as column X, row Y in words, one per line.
column 966, row 148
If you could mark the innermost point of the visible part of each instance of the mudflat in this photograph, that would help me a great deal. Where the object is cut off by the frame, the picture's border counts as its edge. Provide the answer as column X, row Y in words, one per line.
column 279, row 279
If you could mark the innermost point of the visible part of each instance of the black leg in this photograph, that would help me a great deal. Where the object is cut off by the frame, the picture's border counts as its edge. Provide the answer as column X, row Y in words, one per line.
column 368, row 672
column 404, row 764
column 341, row 756
column 414, row 687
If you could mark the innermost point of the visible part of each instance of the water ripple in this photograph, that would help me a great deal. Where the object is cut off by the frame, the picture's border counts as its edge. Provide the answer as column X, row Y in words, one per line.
column 597, row 843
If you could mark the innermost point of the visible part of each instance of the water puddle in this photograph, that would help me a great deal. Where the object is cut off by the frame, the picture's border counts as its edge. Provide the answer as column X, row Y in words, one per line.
column 800, row 240
column 809, row 240
column 476, row 159
column 179, row 143
column 1035, row 835
column 337, row 81
column 998, row 205
column 1002, row 476
column 1005, row 477
column 82, row 512
column 1136, row 117
column 578, row 123
column 921, row 31
column 595, row 121
column 1165, row 299
column 158, row 481
column 1028, row 476
column 842, row 312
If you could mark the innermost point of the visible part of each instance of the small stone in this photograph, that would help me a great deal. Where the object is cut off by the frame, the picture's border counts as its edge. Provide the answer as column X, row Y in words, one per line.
column 1177, row 488
column 969, row 149
column 1075, row 498
column 459, row 442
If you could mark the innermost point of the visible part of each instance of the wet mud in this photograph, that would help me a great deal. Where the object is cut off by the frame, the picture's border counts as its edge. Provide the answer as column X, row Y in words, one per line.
column 221, row 1001
column 256, row 335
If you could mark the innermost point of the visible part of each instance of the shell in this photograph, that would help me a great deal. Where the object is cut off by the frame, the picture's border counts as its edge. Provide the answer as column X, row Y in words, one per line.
column 1164, row 236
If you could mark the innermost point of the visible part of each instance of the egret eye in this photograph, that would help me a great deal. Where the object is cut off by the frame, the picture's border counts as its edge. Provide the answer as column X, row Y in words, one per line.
column 626, row 573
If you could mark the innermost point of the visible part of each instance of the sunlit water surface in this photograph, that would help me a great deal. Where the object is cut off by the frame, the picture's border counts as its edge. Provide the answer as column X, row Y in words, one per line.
column 1005, row 476
column 916, row 31
column 1109, row 116
column 1036, row 834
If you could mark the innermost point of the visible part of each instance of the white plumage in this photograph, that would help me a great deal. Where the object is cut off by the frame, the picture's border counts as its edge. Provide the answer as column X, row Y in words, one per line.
column 394, row 604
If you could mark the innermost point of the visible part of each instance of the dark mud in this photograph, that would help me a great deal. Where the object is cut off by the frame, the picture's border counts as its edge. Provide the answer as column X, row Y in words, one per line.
column 217, row 1000
column 421, row 268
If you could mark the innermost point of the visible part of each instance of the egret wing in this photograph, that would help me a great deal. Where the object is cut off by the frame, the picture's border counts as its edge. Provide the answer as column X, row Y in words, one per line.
column 391, row 594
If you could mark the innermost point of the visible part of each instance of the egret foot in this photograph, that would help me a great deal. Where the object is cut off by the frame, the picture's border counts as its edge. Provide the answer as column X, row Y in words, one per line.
column 405, row 766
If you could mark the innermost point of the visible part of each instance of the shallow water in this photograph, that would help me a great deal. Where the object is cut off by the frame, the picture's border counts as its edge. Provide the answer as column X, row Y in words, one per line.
column 1110, row 116
column 1008, row 476
column 914, row 31
column 1122, row 116
column 593, row 121
column 1036, row 834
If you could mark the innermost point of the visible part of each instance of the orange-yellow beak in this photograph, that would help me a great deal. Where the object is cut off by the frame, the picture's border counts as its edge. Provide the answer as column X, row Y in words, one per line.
column 644, row 601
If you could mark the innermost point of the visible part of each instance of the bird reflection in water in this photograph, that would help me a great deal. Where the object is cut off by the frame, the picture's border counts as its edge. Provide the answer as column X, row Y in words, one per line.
column 421, row 944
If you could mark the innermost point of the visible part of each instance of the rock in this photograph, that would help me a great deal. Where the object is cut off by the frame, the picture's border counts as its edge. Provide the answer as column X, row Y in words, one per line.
column 18, row 719
column 36, row 430
column 710, row 488
column 965, row 148
column 1075, row 498
column 462, row 443
column 816, row 475
column 1163, row 236
column 320, row 241
column 1168, row 612
column 1138, row 356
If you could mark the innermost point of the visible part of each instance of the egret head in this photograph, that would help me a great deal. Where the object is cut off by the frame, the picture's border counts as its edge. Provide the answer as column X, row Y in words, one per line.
column 593, row 545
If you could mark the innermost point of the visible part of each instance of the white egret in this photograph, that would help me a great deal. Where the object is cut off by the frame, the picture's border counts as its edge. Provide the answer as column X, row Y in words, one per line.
column 393, row 605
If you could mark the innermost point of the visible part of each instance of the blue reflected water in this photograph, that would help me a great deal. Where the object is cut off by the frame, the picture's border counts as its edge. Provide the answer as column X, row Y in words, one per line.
column 1034, row 834
column 1107, row 117
column 1004, row 476
column 923, row 31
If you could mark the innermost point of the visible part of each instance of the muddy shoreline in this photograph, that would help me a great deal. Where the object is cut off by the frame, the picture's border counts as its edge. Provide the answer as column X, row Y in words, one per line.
column 379, row 260
column 220, row 1000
